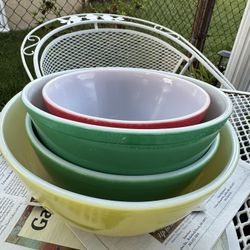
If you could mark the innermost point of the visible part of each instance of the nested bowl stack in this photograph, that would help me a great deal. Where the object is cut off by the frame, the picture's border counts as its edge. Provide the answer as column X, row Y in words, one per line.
column 126, row 151
column 104, row 216
column 102, row 177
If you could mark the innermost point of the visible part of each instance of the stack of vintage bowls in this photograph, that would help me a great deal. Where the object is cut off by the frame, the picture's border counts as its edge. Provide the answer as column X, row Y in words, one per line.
column 119, row 151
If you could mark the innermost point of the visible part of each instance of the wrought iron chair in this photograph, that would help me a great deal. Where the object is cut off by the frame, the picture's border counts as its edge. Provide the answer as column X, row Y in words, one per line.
column 106, row 40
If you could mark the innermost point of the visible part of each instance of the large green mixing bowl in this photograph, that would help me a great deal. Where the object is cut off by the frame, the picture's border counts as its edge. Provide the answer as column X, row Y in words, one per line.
column 117, row 187
column 103, row 216
column 126, row 151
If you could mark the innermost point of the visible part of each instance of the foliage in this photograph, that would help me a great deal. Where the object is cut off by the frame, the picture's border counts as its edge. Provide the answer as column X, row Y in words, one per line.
column 122, row 7
column 200, row 72
column 47, row 7
column 13, row 76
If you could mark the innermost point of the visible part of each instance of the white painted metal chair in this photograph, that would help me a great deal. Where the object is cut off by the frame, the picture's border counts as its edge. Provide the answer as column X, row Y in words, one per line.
column 102, row 40
column 106, row 40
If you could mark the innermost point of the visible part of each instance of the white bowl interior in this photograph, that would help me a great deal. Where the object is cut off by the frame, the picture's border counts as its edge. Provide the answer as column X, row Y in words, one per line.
column 219, row 103
column 126, row 94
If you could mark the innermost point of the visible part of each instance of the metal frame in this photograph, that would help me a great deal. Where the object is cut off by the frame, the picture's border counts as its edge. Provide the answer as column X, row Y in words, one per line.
column 240, row 120
column 32, row 43
column 241, row 123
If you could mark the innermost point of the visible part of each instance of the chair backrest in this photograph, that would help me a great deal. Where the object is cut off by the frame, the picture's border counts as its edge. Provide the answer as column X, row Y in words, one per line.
column 109, row 48
column 104, row 40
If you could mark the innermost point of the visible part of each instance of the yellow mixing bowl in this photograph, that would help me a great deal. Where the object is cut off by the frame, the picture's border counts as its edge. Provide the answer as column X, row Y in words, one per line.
column 100, row 216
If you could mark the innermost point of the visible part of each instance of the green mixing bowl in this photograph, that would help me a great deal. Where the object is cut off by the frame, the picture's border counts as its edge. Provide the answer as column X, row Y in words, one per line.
column 102, row 216
column 126, row 151
column 117, row 187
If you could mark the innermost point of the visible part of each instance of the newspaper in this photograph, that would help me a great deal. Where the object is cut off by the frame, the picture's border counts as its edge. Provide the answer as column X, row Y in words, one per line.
column 24, row 224
column 199, row 230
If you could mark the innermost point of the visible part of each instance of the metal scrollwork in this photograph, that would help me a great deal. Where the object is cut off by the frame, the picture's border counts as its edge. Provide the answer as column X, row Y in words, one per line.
column 108, row 17
column 174, row 35
column 29, row 51
column 70, row 20
column 158, row 27
column 161, row 28
column 90, row 17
